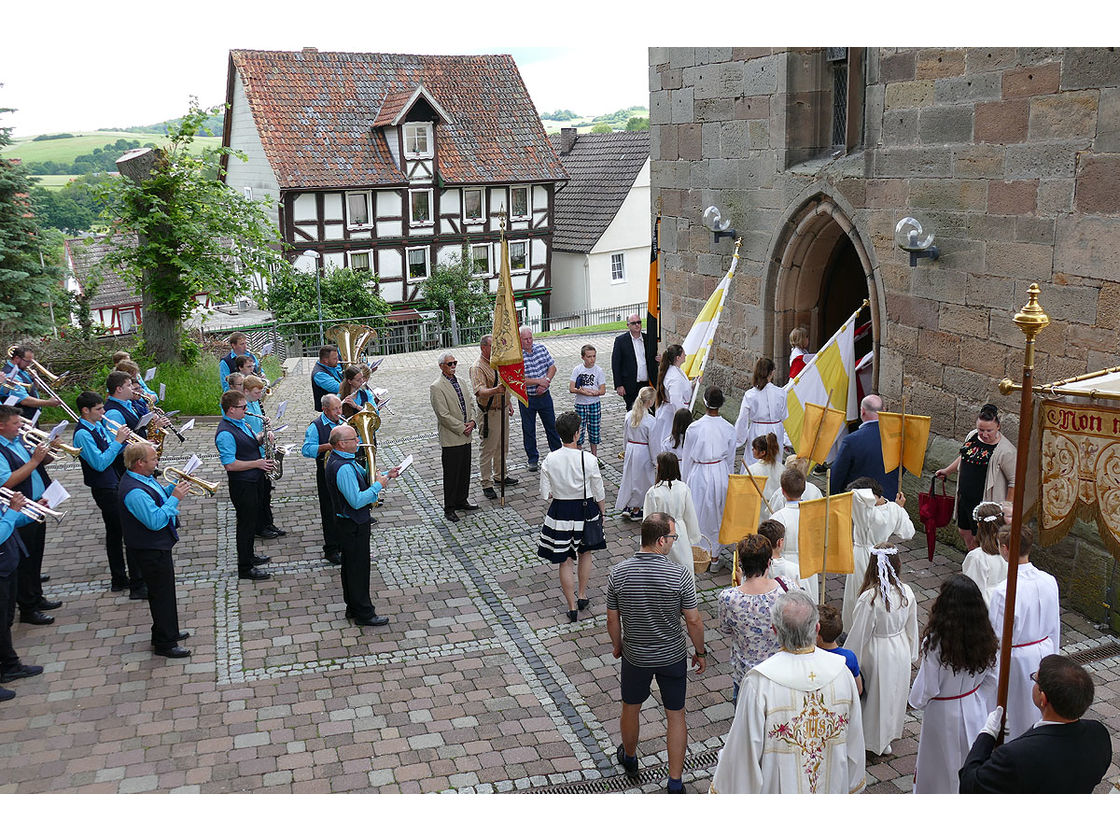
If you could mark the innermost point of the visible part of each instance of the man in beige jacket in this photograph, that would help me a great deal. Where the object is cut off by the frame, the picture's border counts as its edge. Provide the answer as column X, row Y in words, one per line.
column 454, row 410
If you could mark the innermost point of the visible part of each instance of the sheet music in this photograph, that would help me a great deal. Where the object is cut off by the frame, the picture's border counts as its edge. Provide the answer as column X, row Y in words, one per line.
column 149, row 373
column 162, row 390
column 55, row 495
column 281, row 409
column 404, row 465
column 266, row 349
column 193, row 464
column 279, row 429
column 146, row 419
column 375, row 364
column 187, row 426
column 12, row 400
column 35, row 416
column 57, row 430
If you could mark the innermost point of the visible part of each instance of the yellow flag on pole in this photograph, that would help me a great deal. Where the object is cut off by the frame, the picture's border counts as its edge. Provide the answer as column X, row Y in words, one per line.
column 819, row 429
column 909, row 447
column 810, row 535
column 505, row 349
column 742, row 508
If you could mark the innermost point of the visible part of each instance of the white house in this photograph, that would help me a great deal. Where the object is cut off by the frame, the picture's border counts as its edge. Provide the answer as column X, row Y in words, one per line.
column 601, row 244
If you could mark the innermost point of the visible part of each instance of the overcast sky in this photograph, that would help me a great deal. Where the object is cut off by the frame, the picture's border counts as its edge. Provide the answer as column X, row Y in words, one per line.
column 70, row 65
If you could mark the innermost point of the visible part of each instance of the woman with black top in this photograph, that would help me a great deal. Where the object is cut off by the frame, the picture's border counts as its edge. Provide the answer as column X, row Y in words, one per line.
column 987, row 471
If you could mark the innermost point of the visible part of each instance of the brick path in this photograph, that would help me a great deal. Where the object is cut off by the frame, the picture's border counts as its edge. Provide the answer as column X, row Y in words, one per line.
column 477, row 685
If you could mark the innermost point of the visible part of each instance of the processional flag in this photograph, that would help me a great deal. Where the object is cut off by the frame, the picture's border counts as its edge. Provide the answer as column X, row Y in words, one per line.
column 505, row 351
column 811, row 531
column 819, row 429
column 653, row 308
column 698, row 343
column 742, row 509
column 832, row 371
column 904, row 438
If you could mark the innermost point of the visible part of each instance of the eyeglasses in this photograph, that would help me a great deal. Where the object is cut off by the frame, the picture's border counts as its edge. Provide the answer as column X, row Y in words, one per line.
column 1034, row 677
column 633, row 323
column 670, row 536
column 451, row 364
column 243, row 405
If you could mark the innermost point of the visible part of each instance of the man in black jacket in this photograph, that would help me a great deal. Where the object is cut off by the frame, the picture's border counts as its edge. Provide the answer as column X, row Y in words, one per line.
column 1060, row 754
column 633, row 364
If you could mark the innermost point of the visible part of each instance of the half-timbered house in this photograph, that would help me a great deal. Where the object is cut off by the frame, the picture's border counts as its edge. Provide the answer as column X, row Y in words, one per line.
column 391, row 164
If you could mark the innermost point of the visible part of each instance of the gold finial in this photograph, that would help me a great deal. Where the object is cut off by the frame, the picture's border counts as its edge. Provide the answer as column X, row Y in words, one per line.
column 1006, row 386
column 1031, row 319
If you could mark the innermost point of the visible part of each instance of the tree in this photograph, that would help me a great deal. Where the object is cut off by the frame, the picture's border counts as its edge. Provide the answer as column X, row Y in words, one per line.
column 193, row 235
column 601, row 128
column 345, row 295
column 452, row 281
column 637, row 124
column 26, row 283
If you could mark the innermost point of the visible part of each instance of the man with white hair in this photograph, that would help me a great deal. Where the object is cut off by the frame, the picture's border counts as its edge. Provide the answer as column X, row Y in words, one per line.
column 861, row 453
column 454, row 410
column 540, row 370
column 797, row 726
column 317, row 445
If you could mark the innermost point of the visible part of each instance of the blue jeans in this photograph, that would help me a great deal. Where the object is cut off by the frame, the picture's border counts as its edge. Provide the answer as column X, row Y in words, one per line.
column 538, row 404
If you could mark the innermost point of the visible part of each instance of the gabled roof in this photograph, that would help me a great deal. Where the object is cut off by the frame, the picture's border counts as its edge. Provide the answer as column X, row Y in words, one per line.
column 601, row 170
column 397, row 105
column 316, row 114
column 85, row 253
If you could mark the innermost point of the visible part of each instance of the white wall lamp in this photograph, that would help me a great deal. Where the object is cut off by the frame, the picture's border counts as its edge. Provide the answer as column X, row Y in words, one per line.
column 720, row 227
column 911, row 236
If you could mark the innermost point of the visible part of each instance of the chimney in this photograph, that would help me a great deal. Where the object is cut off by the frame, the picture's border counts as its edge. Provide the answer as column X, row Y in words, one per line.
column 310, row 50
column 567, row 140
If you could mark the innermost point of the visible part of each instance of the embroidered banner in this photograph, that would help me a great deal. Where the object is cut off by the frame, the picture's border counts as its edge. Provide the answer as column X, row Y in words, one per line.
column 1080, row 470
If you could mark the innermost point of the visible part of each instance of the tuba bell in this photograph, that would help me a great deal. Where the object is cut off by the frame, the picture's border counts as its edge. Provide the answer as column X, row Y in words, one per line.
column 351, row 340
column 366, row 422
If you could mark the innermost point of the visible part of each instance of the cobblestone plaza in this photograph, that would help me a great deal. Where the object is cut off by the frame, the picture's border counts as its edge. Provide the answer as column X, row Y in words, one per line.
column 478, row 684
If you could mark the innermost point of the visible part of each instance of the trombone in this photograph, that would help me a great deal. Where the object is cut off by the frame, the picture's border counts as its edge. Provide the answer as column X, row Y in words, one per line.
column 33, row 437
column 55, row 379
column 199, row 487
column 32, row 510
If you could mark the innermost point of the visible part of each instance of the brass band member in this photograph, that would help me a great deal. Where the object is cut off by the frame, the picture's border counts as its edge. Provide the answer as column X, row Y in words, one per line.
column 27, row 395
column 119, row 408
column 99, row 449
column 326, row 375
column 488, row 394
column 149, row 517
column 25, row 473
column 241, row 454
column 351, row 497
column 10, row 666
column 254, row 389
column 316, row 444
column 352, row 391
column 130, row 367
column 238, row 346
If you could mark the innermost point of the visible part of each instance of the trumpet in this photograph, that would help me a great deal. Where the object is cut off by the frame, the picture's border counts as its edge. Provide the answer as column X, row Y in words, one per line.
column 33, row 437
column 199, row 487
column 32, row 510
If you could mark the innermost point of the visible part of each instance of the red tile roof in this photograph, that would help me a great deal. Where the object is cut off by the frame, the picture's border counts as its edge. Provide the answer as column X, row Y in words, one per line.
column 316, row 112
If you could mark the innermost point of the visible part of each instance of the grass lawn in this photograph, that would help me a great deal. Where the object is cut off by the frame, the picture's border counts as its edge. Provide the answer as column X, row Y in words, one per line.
column 53, row 182
column 68, row 148
column 612, row 327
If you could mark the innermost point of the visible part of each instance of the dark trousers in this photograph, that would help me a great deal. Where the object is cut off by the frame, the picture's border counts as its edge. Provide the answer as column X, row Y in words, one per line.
column 159, row 574
column 29, row 589
column 8, row 656
column 456, row 475
column 355, row 568
column 538, row 404
column 246, row 498
column 629, row 395
column 331, row 544
column 264, row 521
column 124, row 573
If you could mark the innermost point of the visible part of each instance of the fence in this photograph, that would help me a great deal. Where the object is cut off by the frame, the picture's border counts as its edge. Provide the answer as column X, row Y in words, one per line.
column 422, row 331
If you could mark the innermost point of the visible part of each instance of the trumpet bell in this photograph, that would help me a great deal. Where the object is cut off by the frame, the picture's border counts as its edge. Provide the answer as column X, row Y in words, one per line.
column 199, row 487
column 351, row 340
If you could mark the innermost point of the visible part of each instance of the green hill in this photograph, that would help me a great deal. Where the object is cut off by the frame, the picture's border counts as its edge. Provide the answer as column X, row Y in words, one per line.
column 617, row 120
column 92, row 151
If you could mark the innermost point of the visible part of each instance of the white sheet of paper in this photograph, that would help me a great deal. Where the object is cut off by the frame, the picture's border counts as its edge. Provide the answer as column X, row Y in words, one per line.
column 170, row 414
column 55, row 495
column 148, row 374
column 380, row 393
column 193, row 464
column 162, row 390
column 279, row 429
column 266, row 349
column 12, row 400
column 57, row 430
column 35, row 416
column 187, row 426
column 374, row 364
column 281, row 409
column 146, row 419
column 404, row 465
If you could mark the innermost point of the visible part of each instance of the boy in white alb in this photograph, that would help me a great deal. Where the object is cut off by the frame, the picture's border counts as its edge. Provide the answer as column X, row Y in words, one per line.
column 793, row 487
column 775, row 531
column 589, row 383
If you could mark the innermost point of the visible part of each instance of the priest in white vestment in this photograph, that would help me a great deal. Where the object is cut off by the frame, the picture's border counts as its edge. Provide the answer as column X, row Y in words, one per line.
column 797, row 726
column 874, row 520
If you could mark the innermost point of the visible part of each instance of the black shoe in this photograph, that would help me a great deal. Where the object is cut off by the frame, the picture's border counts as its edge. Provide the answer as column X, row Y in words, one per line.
column 44, row 578
column 466, row 506
column 6, row 694
column 334, row 559
column 267, row 535
column 573, row 616
column 260, row 559
column 140, row 593
column 272, row 529
column 670, row 789
column 629, row 763
column 253, row 574
column 175, row 652
column 118, row 587
column 533, row 467
column 44, row 604
column 451, row 516
column 373, row 621
column 17, row 672
column 35, row 617
column 581, row 603
column 183, row 636
column 508, row 481
column 489, row 493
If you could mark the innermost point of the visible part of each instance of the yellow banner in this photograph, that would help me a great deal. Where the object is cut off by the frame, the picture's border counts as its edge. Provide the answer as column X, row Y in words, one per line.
column 810, row 535
column 819, row 429
column 911, row 448
column 742, row 508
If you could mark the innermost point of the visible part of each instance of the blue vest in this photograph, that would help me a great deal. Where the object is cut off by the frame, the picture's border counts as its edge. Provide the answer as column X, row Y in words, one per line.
column 229, row 362
column 108, row 478
column 319, row 392
column 324, row 437
column 136, row 533
column 341, row 507
column 23, row 376
column 24, row 486
column 131, row 419
column 247, row 449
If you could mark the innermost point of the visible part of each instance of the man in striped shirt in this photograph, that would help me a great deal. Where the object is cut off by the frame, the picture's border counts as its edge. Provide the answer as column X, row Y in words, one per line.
column 647, row 595
column 540, row 370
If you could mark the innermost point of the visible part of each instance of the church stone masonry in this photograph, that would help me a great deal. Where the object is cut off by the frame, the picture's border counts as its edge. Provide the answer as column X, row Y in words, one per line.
column 1012, row 155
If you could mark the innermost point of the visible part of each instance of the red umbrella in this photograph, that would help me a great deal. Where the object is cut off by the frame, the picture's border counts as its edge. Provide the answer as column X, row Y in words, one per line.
column 935, row 510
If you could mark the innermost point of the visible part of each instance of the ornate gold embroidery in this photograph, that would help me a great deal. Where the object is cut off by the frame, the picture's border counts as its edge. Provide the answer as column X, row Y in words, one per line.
column 812, row 730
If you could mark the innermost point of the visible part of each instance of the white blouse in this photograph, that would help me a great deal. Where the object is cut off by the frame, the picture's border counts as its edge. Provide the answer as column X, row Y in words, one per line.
column 562, row 477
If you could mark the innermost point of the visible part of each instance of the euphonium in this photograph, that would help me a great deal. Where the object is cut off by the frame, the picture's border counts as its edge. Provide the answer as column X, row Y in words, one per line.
column 351, row 340
column 366, row 422
column 198, row 486
column 32, row 437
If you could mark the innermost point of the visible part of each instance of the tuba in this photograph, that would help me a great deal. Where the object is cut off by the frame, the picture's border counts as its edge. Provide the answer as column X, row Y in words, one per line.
column 351, row 340
column 367, row 422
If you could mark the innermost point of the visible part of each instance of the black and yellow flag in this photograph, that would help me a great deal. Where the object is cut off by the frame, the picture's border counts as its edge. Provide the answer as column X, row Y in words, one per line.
column 653, row 310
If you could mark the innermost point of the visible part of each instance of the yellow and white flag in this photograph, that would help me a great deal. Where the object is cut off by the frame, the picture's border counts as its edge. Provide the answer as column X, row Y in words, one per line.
column 698, row 343
column 832, row 370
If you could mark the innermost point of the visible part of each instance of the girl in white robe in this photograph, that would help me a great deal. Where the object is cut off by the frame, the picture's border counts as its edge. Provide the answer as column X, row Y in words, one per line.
column 984, row 564
column 874, row 520
column 671, row 495
column 956, row 683
column 638, row 471
column 884, row 638
column 767, row 463
column 674, row 392
column 709, row 458
column 762, row 411
column 674, row 441
column 777, row 500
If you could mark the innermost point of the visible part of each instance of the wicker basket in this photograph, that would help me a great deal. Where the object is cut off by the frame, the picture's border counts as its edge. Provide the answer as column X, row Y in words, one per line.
column 701, row 559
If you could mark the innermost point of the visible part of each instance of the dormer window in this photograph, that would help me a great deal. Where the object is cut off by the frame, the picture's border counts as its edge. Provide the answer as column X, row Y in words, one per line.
column 418, row 140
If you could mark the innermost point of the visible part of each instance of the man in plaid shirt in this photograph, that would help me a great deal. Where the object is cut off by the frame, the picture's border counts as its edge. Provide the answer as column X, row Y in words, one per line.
column 539, row 372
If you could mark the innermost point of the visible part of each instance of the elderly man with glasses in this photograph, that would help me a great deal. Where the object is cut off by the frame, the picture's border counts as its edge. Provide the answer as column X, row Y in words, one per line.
column 633, row 363
column 454, row 409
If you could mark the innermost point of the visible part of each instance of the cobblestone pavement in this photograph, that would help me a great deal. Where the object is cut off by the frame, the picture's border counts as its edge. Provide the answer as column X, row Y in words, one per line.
column 478, row 684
